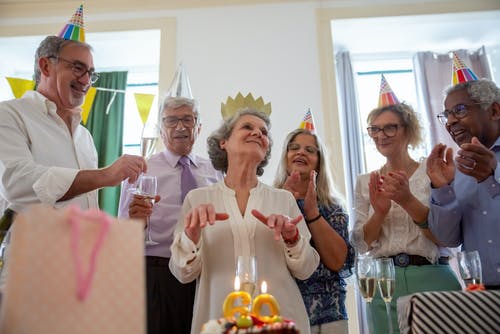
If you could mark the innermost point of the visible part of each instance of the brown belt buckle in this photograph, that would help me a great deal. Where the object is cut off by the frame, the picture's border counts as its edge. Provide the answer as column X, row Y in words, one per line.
column 402, row 260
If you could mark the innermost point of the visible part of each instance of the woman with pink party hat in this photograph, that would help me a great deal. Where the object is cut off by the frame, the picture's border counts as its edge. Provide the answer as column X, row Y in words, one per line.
column 391, row 210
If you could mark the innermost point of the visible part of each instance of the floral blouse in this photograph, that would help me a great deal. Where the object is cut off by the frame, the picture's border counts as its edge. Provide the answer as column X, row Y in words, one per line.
column 324, row 292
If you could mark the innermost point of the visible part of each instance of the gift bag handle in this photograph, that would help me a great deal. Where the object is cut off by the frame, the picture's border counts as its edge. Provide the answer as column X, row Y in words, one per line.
column 84, row 280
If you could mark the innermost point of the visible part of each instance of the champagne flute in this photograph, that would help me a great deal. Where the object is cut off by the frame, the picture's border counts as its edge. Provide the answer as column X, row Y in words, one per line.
column 469, row 265
column 367, row 279
column 149, row 137
column 367, row 276
column 147, row 187
column 386, row 277
column 246, row 271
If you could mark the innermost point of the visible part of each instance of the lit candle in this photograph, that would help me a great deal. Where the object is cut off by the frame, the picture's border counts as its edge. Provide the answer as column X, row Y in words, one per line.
column 229, row 308
column 266, row 299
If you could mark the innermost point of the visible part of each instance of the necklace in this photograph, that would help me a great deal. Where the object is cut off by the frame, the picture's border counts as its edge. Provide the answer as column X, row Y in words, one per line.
column 410, row 169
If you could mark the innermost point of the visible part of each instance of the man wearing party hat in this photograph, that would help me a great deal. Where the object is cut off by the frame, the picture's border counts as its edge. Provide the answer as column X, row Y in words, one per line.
column 46, row 156
column 465, row 203
column 178, row 169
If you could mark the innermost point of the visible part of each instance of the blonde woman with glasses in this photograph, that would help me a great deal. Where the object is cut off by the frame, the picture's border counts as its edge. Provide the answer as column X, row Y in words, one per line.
column 391, row 213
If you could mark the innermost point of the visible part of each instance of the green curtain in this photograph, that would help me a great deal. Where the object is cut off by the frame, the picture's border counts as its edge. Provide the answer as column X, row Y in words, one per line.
column 107, row 130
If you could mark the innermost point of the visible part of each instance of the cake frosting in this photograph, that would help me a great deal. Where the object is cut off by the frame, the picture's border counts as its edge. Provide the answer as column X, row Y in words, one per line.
column 224, row 326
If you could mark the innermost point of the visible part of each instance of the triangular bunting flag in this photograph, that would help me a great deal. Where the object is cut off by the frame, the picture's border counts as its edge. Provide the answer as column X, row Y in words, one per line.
column 144, row 102
column 20, row 86
column 87, row 104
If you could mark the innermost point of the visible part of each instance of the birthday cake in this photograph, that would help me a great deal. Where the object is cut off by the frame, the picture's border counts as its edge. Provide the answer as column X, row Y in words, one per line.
column 224, row 326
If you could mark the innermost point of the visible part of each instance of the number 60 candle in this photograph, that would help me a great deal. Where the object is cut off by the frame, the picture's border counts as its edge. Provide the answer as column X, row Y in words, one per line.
column 229, row 308
column 270, row 301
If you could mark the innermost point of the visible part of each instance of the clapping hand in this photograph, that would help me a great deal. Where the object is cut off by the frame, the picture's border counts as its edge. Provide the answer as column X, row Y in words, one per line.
column 440, row 166
column 476, row 160
column 378, row 200
column 396, row 187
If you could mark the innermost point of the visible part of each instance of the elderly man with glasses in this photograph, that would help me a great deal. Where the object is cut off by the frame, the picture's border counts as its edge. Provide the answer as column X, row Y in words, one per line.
column 46, row 155
column 465, row 202
column 178, row 169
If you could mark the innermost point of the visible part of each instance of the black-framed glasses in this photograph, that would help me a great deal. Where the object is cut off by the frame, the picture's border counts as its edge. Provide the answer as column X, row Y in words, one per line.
column 459, row 111
column 79, row 69
column 172, row 121
column 389, row 130
column 294, row 147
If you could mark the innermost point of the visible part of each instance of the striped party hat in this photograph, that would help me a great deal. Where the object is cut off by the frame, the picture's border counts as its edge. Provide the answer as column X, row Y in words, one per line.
column 74, row 30
column 461, row 73
column 386, row 96
column 308, row 122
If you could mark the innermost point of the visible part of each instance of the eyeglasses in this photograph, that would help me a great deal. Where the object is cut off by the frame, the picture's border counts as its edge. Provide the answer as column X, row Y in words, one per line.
column 459, row 111
column 172, row 121
column 389, row 130
column 79, row 69
column 309, row 149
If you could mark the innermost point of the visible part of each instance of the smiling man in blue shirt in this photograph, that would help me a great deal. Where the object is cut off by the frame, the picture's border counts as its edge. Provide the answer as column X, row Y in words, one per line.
column 465, row 202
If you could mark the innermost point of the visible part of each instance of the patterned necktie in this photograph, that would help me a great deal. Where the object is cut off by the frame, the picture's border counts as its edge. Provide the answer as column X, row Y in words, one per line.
column 188, row 181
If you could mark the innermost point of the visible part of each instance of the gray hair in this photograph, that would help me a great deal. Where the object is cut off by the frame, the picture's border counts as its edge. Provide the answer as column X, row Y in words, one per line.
column 408, row 119
column 51, row 46
column 218, row 156
column 176, row 102
column 483, row 91
column 327, row 194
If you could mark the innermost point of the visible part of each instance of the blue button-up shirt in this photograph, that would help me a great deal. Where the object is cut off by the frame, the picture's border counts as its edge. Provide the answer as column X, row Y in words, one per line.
column 468, row 213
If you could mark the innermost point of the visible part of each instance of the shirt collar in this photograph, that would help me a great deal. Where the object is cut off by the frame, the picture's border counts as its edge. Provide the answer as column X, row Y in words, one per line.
column 173, row 158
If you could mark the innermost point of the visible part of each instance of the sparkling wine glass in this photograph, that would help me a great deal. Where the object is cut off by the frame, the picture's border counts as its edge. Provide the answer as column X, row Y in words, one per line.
column 386, row 277
column 147, row 188
column 149, row 138
column 367, row 276
column 366, row 273
column 246, row 271
column 469, row 265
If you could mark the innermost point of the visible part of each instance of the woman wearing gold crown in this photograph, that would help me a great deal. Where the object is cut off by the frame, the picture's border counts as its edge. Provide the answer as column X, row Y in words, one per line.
column 242, row 216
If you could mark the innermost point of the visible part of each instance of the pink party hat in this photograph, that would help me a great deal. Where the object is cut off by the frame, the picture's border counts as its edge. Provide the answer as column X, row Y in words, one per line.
column 308, row 122
column 74, row 30
column 386, row 96
column 461, row 73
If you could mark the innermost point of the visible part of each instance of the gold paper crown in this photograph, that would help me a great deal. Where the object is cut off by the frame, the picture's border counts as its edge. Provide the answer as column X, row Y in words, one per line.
column 232, row 106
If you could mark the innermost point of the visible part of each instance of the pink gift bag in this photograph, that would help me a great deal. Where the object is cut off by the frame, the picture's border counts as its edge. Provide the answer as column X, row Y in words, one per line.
column 70, row 271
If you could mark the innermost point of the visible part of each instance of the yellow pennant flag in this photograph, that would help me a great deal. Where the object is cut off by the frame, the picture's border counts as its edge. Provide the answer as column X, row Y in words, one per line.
column 20, row 86
column 87, row 104
column 144, row 102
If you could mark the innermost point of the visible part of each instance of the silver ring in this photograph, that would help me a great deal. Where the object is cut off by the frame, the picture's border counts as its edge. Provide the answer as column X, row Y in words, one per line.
column 474, row 165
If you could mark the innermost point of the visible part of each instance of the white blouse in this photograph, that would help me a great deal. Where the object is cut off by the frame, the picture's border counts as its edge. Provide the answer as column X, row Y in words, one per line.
column 220, row 245
column 399, row 234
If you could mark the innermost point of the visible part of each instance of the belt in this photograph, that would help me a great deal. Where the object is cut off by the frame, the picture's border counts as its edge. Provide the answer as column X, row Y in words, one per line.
column 157, row 261
column 405, row 260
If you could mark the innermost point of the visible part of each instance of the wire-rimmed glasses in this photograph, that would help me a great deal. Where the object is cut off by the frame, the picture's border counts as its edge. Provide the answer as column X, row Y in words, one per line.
column 459, row 111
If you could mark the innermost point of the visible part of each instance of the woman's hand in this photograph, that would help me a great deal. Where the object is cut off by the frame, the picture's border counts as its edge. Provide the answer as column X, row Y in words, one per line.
column 282, row 225
column 292, row 182
column 380, row 203
column 198, row 218
column 396, row 187
column 311, row 209
column 141, row 207
column 440, row 166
